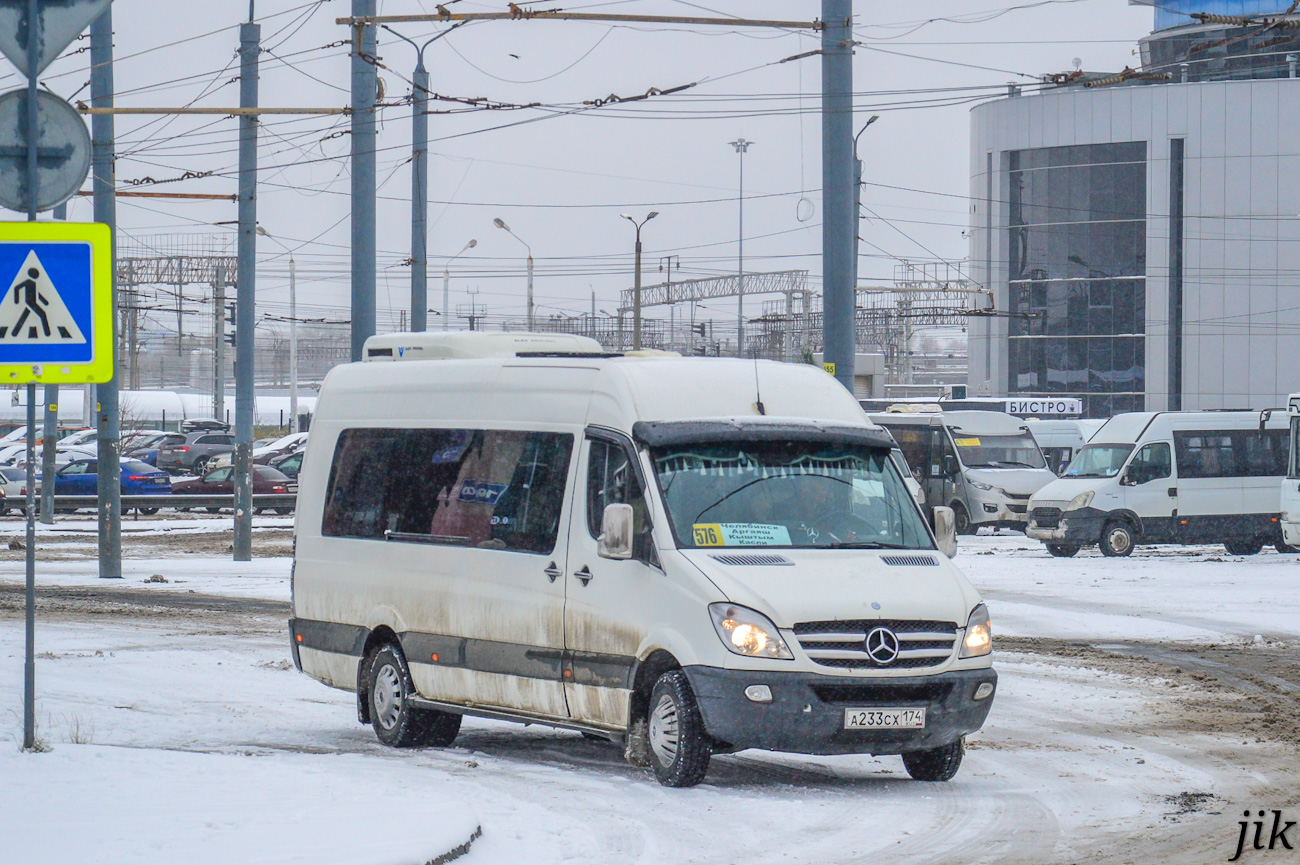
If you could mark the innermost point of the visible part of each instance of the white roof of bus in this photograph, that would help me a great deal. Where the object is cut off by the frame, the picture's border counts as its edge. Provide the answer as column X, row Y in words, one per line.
column 1128, row 427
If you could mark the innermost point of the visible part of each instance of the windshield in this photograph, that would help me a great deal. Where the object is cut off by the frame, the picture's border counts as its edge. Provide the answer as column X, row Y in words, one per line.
column 1018, row 451
column 787, row 494
column 1098, row 461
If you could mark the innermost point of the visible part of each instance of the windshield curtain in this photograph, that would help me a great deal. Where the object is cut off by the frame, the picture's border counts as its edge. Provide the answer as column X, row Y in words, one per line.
column 998, row 451
column 791, row 494
column 1098, row 461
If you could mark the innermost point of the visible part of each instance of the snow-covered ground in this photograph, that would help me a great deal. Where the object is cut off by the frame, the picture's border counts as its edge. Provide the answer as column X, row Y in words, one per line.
column 192, row 739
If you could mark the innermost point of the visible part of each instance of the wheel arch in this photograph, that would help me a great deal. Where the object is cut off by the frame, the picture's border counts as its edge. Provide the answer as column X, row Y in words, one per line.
column 379, row 636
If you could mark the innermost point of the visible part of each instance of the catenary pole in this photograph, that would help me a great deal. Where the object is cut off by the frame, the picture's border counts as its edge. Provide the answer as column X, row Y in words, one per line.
column 108, row 421
column 420, row 196
column 293, row 345
column 250, row 35
column 364, row 90
column 839, row 222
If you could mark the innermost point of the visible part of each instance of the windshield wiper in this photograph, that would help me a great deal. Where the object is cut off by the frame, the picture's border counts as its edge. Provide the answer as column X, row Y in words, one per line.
column 997, row 463
column 863, row 545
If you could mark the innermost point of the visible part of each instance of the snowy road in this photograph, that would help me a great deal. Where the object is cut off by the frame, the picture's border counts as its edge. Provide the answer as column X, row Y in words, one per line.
column 1137, row 717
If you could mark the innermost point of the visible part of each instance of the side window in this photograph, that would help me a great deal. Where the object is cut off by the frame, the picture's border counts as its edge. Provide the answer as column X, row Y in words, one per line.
column 493, row 489
column 914, row 442
column 949, row 463
column 1295, row 444
column 74, row 468
column 612, row 479
column 1265, row 452
column 221, row 474
column 1151, row 463
column 1204, row 454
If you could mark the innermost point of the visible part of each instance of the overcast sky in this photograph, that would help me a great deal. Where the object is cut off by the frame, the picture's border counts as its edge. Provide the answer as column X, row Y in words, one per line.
column 560, row 176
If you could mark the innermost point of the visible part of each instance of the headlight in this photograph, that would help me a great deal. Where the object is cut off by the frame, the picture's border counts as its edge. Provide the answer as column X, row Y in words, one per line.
column 979, row 485
column 1082, row 500
column 747, row 632
column 979, row 634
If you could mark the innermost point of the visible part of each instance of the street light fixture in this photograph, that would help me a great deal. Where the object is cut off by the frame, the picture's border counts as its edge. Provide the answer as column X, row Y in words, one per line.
column 446, row 284
column 857, row 194
column 636, row 284
column 500, row 223
column 293, row 330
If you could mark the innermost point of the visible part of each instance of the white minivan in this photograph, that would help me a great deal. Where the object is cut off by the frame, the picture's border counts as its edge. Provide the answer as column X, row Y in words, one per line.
column 1291, row 483
column 983, row 464
column 1210, row 477
column 684, row 556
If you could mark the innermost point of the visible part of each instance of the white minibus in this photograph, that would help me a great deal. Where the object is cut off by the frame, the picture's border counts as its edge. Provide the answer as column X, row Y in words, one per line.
column 1060, row 440
column 1209, row 477
column 1291, row 483
column 687, row 557
column 983, row 464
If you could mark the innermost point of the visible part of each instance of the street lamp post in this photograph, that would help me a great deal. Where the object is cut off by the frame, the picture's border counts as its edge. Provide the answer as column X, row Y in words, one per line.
column 446, row 285
column 636, row 284
column 499, row 223
column 742, row 147
column 293, row 329
column 857, row 195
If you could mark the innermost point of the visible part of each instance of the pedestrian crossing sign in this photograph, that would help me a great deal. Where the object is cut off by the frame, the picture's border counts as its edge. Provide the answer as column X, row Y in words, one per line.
column 56, row 314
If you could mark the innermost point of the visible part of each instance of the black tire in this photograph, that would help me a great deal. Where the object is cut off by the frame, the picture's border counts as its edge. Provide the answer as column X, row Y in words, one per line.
column 935, row 764
column 284, row 512
column 1244, row 547
column 1285, row 548
column 1117, row 539
column 398, row 724
column 213, row 510
column 961, row 520
column 1064, row 551
column 680, row 747
column 148, row 512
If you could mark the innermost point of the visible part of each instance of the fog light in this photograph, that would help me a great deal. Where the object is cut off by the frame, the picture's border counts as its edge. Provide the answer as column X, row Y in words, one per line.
column 984, row 691
column 759, row 693
column 990, row 508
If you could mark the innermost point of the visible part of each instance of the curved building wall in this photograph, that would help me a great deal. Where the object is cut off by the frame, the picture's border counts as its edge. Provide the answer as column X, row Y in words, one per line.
column 1075, row 196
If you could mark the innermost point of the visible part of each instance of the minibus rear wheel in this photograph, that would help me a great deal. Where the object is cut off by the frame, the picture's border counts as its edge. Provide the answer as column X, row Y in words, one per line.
column 679, row 745
column 1243, row 548
column 935, row 764
column 397, row 723
column 1064, row 551
column 1116, row 539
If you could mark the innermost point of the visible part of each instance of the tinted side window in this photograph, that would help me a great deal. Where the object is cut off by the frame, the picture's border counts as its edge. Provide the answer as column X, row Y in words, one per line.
column 1235, row 453
column 612, row 479
column 1265, row 452
column 494, row 489
column 914, row 442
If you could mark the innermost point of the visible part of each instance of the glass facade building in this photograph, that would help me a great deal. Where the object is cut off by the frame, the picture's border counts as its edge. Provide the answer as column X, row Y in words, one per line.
column 1076, row 255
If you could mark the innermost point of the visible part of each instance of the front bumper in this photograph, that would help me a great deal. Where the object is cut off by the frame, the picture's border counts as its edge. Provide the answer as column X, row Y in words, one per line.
column 1081, row 526
column 806, row 714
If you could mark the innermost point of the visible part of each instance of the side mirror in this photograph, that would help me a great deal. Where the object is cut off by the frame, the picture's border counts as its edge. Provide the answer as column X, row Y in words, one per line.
column 615, row 541
column 1129, row 479
column 945, row 531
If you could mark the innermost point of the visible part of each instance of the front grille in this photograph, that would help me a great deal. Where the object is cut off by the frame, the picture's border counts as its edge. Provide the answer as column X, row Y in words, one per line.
column 841, row 643
column 913, row 561
column 1047, row 518
column 862, row 695
column 1017, row 509
column 1024, row 497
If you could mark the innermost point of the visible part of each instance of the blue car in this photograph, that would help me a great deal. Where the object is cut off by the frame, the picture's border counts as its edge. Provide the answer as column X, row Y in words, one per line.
column 81, row 478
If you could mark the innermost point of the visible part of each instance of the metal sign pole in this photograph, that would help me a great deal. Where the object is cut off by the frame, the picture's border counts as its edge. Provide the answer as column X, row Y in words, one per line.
column 33, row 182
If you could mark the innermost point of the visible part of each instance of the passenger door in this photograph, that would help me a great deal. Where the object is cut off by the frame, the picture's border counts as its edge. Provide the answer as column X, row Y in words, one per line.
column 606, row 599
column 1151, row 490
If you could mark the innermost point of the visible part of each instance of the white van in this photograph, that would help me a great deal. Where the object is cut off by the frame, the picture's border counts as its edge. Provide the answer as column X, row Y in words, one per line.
column 1060, row 440
column 685, row 556
column 983, row 464
column 1169, row 478
column 1291, row 483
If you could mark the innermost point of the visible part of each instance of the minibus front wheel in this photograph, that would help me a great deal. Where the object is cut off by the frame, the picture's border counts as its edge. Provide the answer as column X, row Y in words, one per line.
column 1064, row 551
column 935, row 764
column 396, row 721
column 1116, row 539
column 680, row 747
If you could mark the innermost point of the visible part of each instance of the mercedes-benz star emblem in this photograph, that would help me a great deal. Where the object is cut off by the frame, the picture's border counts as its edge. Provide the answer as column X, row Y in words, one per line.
column 882, row 646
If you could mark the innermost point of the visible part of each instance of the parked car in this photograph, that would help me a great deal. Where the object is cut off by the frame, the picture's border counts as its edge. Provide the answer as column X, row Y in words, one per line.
column 146, row 450
column 81, row 478
column 267, row 450
column 204, row 425
column 290, row 464
column 13, row 487
column 221, row 482
column 195, row 452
